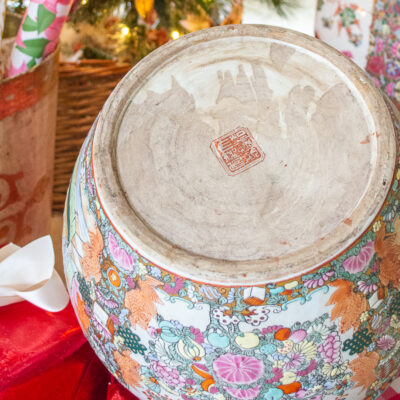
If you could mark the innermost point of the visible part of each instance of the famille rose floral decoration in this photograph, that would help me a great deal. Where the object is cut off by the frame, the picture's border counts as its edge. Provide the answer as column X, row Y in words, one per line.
column 331, row 332
column 368, row 32
column 383, row 56
column 345, row 25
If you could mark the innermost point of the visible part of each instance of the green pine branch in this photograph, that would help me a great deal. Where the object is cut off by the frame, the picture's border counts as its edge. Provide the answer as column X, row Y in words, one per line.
column 283, row 7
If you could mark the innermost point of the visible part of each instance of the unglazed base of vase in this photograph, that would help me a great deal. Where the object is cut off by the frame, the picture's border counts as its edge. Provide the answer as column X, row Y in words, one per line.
column 248, row 155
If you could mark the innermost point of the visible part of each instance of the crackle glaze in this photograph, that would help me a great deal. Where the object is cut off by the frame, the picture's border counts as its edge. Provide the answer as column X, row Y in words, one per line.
column 175, row 319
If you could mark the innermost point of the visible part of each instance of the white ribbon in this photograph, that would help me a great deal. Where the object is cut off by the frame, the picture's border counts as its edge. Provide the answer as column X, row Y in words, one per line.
column 28, row 273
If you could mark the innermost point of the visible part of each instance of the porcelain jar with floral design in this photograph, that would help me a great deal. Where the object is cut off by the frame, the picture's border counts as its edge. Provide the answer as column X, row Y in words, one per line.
column 232, row 226
column 367, row 31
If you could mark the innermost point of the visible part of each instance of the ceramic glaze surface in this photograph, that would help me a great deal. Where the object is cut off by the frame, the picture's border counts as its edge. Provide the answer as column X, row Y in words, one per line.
column 329, row 331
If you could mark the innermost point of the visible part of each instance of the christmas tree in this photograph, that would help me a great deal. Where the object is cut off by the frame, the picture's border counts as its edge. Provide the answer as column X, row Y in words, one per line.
column 128, row 30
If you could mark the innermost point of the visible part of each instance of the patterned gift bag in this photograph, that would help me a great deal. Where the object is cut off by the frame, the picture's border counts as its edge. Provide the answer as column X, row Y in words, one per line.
column 38, row 34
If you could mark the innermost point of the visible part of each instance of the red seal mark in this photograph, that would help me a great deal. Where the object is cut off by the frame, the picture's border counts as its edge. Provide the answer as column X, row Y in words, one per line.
column 237, row 151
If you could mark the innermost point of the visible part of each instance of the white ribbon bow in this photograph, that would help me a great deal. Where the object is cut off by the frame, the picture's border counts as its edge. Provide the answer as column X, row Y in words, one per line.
column 28, row 273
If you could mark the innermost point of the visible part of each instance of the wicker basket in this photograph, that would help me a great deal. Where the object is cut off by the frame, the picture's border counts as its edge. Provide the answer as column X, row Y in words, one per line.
column 83, row 89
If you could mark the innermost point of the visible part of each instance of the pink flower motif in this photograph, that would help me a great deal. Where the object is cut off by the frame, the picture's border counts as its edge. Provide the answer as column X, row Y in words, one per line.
column 174, row 288
column 102, row 299
column 298, row 336
column 301, row 394
column 348, row 53
column 394, row 49
column 355, row 264
column 294, row 361
column 366, row 288
column 330, row 348
column 88, row 311
column 53, row 33
column 246, row 394
column 121, row 257
column 131, row 282
column 386, row 342
column 168, row 375
column 114, row 319
column 378, row 45
column 271, row 329
column 375, row 267
column 312, row 366
column 198, row 336
column 14, row 71
column 201, row 366
column 238, row 369
column 152, row 332
column 376, row 65
column 314, row 283
column 278, row 375
column 390, row 89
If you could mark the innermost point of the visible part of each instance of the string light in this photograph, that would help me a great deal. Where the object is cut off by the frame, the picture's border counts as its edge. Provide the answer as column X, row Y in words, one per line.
column 175, row 35
column 125, row 31
column 84, row 2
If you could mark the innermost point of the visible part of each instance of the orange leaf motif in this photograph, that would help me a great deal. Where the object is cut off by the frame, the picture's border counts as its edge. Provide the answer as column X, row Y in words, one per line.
column 141, row 302
column 92, row 251
column 130, row 369
column 347, row 305
column 363, row 368
column 388, row 250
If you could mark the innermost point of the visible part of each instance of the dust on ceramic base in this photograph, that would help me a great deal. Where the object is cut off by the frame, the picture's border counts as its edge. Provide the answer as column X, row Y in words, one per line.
column 167, row 337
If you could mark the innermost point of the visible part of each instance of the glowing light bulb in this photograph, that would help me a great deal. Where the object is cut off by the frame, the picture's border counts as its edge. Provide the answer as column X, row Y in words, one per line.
column 125, row 31
column 83, row 2
column 175, row 35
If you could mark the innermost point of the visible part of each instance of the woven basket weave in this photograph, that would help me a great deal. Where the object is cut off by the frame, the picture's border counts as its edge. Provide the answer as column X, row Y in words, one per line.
column 83, row 89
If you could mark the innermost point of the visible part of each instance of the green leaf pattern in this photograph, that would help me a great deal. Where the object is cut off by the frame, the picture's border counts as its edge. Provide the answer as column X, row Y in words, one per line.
column 45, row 18
column 33, row 38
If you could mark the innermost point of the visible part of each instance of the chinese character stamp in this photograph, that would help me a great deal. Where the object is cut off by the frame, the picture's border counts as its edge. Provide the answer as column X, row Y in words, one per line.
column 237, row 151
